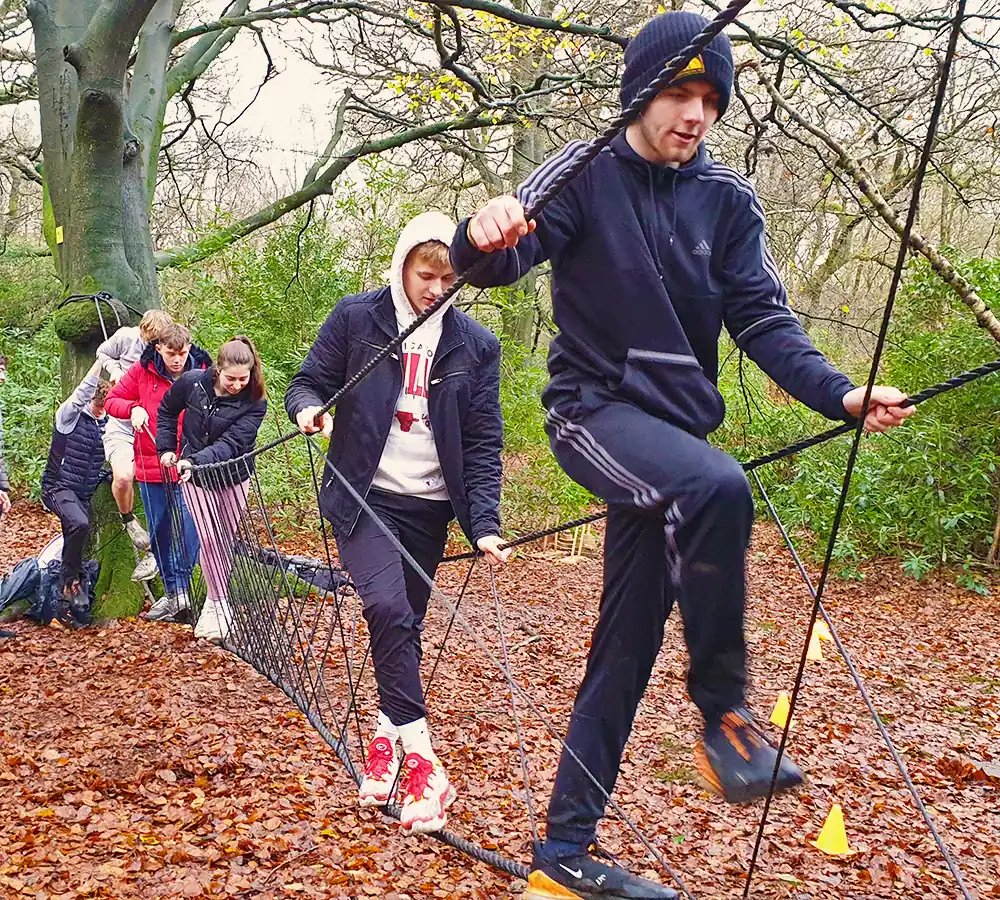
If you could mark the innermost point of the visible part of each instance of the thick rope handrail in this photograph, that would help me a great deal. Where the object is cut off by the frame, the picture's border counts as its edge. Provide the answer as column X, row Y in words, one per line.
column 935, row 390
column 533, row 536
column 588, row 153
column 897, row 278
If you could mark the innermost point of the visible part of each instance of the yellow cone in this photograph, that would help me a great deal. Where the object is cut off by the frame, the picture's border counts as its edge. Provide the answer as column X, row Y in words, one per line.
column 814, row 652
column 833, row 838
column 780, row 715
column 822, row 631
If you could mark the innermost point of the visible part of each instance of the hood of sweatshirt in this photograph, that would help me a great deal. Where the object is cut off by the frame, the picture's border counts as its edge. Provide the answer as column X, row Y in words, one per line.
column 428, row 226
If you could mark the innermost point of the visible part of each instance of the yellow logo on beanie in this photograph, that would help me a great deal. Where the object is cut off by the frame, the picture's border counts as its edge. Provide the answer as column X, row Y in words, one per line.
column 695, row 67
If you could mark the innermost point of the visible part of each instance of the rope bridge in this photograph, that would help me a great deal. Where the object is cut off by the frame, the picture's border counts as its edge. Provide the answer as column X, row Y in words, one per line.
column 298, row 621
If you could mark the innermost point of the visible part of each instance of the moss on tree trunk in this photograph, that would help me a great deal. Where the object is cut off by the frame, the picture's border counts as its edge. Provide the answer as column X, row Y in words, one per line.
column 117, row 596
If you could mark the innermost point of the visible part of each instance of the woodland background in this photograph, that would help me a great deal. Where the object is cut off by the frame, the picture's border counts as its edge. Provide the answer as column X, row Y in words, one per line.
column 124, row 127
column 245, row 164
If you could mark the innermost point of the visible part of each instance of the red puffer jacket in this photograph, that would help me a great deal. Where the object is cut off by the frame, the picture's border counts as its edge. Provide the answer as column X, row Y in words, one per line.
column 144, row 384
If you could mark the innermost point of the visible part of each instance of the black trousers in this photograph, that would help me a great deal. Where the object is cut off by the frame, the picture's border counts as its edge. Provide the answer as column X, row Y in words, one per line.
column 394, row 597
column 74, row 516
column 679, row 519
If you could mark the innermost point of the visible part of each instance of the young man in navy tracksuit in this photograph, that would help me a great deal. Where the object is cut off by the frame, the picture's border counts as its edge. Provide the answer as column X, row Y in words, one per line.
column 653, row 249
column 420, row 439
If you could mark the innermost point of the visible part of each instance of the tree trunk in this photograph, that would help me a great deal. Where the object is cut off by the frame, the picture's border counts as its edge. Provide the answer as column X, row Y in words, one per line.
column 97, row 208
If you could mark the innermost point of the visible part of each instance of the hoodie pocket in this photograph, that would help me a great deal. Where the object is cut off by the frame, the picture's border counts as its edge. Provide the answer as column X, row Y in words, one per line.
column 674, row 387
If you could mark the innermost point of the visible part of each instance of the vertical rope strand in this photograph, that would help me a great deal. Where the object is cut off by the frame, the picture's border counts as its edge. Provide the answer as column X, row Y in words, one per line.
column 897, row 275
column 862, row 689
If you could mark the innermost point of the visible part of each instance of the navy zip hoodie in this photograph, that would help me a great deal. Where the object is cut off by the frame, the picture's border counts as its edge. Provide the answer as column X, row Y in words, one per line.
column 648, row 263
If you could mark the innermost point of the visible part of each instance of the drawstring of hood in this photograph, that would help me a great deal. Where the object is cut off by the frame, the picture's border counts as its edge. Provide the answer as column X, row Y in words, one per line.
column 655, row 173
column 673, row 208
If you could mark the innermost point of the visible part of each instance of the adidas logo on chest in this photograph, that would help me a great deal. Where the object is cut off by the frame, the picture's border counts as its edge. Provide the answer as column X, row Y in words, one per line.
column 702, row 248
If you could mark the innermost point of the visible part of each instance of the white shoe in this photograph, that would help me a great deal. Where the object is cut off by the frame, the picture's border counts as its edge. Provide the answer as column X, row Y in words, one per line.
column 381, row 768
column 426, row 795
column 213, row 623
column 164, row 610
column 183, row 602
column 138, row 535
column 146, row 569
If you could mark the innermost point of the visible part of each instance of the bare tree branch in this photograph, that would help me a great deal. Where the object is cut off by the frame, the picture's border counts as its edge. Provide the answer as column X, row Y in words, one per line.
column 868, row 186
column 193, row 64
column 320, row 185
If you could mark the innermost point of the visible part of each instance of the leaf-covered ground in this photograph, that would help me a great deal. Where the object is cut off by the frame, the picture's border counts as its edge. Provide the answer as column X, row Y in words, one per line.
column 136, row 762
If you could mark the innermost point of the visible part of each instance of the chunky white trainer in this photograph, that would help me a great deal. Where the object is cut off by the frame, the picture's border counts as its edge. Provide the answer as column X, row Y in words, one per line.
column 427, row 794
column 163, row 610
column 138, row 535
column 146, row 570
column 381, row 768
column 213, row 623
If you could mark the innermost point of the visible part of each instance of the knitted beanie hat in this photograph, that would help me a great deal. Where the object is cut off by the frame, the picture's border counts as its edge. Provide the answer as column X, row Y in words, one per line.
column 660, row 40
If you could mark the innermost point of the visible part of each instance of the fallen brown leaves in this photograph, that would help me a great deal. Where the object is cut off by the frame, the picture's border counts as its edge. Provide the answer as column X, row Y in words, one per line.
column 137, row 762
column 23, row 532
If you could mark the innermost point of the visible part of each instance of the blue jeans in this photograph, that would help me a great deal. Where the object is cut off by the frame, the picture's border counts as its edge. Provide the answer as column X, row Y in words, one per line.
column 172, row 534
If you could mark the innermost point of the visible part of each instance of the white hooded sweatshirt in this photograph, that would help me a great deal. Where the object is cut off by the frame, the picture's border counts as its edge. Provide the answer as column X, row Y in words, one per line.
column 410, row 463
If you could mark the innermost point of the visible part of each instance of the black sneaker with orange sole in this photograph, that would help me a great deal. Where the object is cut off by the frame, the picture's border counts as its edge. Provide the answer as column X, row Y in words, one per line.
column 594, row 875
column 736, row 760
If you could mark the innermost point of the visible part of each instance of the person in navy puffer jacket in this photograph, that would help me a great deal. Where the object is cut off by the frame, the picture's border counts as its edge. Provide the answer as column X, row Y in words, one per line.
column 73, row 470
column 655, row 247
column 223, row 408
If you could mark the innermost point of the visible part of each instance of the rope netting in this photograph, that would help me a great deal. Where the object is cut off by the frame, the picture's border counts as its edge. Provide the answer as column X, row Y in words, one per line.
column 297, row 620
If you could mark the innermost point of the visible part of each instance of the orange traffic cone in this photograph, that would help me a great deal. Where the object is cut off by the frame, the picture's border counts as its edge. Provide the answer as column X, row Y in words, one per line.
column 815, row 652
column 833, row 838
column 781, row 709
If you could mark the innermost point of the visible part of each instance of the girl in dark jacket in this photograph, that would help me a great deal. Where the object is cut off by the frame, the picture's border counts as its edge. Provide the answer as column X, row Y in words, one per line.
column 223, row 409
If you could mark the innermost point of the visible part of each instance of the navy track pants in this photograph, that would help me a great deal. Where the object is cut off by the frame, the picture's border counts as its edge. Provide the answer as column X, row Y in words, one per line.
column 393, row 596
column 680, row 514
column 74, row 516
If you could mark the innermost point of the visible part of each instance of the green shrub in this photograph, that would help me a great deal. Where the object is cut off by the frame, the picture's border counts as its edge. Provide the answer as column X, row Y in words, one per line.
column 926, row 492
column 29, row 398
column 535, row 491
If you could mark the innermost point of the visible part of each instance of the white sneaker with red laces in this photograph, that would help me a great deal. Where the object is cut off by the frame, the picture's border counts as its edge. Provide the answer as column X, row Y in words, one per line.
column 381, row 767
column 426, row 795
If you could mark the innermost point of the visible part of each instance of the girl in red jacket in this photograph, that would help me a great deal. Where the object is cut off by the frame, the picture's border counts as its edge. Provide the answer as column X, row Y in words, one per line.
column 137, row 398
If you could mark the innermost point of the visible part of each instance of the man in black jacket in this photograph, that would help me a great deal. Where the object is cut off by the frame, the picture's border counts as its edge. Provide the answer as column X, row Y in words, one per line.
column 421, row 439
